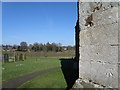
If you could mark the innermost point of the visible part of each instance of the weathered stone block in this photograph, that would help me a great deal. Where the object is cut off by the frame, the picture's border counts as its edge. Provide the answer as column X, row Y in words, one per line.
column 104, row 53
column 105, row 74
column 103, row 13
column 99, row 43
column 109, row 16
column 101, row 35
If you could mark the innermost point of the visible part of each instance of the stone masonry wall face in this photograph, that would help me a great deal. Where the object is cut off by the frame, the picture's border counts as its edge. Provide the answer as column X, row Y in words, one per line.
column 98, row 59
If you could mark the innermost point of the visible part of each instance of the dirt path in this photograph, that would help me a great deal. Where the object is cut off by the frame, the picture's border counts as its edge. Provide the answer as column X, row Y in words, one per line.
column 14, row 83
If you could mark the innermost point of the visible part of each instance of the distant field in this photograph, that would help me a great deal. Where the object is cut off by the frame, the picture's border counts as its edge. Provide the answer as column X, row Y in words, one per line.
column 68, row 53
column 54, row 79
column 20, row 68
column 53, row 54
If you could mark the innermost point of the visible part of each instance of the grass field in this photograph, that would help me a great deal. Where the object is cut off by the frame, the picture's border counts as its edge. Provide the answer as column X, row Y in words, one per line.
column 37, row 61
column 54, row 79
column 20, row 68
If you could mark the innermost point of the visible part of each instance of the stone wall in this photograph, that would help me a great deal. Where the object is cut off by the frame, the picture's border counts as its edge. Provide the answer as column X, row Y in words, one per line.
column 98, row 61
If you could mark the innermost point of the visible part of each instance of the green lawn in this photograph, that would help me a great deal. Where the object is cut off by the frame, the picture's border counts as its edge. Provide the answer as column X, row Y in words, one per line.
column 37, row 61
column 53, row 79
column 20, row 68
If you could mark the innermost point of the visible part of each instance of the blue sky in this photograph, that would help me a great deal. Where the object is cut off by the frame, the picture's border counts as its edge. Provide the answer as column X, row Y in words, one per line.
column 40, row 22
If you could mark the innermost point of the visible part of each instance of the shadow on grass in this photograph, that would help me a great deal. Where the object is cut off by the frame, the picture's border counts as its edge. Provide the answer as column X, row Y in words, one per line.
column 70, row 71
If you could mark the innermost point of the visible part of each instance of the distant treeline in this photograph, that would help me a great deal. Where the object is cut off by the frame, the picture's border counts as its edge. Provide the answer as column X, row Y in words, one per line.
column 37, row 47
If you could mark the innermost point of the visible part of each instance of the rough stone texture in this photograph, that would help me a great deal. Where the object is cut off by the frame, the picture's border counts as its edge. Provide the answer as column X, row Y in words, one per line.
column 98, row 61
column 87, row 9
column 86, row 84
column 119, row 43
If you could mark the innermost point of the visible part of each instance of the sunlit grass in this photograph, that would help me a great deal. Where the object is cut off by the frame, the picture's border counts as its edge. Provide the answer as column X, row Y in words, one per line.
column 53, row 79
column 20, row 68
